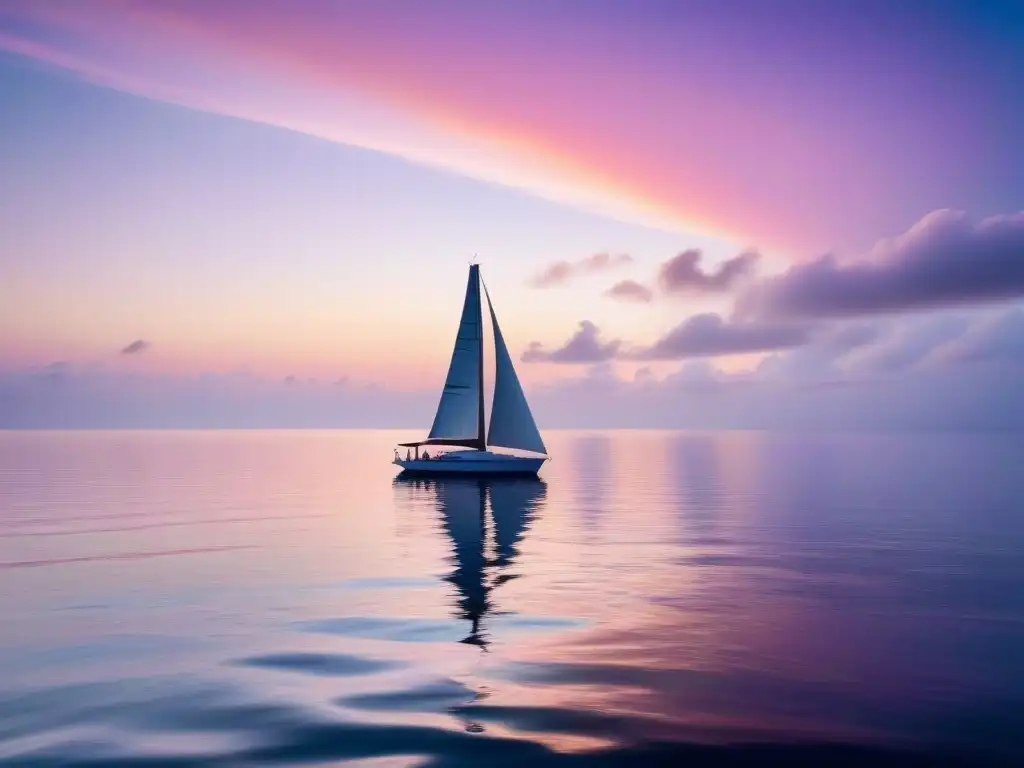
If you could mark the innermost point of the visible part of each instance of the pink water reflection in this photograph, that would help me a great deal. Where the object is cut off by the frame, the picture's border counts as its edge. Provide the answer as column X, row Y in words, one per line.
column 649, row 587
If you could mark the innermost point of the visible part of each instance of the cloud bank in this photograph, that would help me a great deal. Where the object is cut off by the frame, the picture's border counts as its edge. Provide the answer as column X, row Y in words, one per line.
column 703, row 335
column 914, row 372
column 940, row 372
column 708, row 335
column 944, row 260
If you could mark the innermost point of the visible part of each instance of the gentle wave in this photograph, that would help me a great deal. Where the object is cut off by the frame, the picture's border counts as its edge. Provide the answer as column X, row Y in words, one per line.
column 654, row 598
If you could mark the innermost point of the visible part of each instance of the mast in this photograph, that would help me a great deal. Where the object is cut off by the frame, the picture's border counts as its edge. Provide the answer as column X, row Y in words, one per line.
column 481, row 429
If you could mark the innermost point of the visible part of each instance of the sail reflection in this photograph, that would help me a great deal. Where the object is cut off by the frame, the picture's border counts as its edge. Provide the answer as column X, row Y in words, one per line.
column 484, row 546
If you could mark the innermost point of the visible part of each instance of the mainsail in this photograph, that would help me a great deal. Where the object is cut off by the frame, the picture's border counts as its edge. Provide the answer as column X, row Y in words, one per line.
column 512, row 424
column 460, row 413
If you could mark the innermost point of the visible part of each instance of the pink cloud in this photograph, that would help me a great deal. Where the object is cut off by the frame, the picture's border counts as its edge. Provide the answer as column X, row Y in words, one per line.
column 630, row 290
column 684, row 274
column 561, row 272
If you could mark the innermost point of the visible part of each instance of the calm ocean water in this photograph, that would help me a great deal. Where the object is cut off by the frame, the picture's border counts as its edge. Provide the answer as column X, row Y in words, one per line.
column 255, row 598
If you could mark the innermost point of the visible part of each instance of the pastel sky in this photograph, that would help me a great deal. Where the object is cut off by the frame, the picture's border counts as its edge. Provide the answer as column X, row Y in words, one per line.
column 251, row 212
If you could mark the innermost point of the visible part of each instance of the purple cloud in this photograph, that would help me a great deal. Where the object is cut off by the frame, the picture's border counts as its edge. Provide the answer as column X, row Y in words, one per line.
column 708, row 335
column 630, row 290
column 137, row 347
column 943, row 260
column 585, row 346
column 562, row 272
column 705, row 335
column 683, row 274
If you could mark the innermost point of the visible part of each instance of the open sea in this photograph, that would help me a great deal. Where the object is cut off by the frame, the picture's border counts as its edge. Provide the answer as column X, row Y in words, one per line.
column 655, row 598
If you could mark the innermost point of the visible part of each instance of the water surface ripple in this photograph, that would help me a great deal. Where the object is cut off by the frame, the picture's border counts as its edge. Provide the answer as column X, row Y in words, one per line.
column 280, row 598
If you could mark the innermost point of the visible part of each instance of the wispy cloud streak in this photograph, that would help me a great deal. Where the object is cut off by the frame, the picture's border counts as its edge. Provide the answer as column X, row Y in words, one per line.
column 562, row 272
column 610, row 115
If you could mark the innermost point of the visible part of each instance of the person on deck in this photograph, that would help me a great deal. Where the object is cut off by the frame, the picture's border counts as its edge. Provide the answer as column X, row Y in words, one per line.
column 426, row 456
column 407, row 454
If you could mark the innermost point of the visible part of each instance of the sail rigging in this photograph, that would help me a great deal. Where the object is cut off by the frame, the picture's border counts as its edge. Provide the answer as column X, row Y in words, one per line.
column 460, row 413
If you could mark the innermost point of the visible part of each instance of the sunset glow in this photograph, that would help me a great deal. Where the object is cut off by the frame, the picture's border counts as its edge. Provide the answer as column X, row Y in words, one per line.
column 295, row 189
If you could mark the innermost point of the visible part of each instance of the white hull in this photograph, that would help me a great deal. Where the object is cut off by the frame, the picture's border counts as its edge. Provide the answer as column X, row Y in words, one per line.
column 472, row 463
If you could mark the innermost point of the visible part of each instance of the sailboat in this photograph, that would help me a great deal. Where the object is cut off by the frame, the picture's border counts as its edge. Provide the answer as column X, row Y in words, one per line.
column 459, row 421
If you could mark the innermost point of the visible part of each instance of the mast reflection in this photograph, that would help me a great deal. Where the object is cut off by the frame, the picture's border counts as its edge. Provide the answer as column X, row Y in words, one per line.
column 484, row 547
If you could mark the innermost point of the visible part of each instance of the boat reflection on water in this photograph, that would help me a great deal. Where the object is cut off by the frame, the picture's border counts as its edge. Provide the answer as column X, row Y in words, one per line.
column 484, row 546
